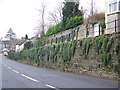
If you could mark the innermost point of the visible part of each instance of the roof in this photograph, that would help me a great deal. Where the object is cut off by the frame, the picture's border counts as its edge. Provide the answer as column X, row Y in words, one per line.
column 14, row 42
column 20, row 42
column 7, row 42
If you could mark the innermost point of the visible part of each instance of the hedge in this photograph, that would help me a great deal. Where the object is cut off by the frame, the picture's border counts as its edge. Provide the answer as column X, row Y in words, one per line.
column 71, row 23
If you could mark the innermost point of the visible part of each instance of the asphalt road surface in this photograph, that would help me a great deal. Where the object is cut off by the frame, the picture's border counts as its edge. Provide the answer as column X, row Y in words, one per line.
column 18, row 75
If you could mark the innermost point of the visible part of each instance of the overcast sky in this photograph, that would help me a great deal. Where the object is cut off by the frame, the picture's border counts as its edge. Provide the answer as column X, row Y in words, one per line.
column 22, row 15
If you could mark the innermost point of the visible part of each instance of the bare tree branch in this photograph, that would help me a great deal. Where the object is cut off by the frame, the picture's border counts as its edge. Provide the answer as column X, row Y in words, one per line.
column 53, row 17
column 41, row 28
column 56, row 15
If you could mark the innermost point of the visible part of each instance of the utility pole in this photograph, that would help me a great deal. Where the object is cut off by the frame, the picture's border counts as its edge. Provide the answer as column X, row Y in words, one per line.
column 43, row 23
column 92, row 13
column 92, row 6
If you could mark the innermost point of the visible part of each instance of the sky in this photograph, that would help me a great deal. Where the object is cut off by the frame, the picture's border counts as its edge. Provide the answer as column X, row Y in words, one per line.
column 23, row 16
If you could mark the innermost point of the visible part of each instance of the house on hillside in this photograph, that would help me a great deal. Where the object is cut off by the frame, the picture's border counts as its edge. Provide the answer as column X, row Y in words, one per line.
column 20, row 45
column 112, row 15
column 33, row 38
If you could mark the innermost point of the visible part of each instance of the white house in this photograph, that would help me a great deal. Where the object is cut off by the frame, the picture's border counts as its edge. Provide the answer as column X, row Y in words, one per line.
column 112, row 13
column 20, row 45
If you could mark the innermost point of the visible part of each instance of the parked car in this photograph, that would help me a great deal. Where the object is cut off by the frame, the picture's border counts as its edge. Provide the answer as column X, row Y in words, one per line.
column 5, row 51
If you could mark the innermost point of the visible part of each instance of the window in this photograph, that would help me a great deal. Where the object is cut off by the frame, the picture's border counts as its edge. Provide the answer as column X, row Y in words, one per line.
column 112, row 5
column 119, row 5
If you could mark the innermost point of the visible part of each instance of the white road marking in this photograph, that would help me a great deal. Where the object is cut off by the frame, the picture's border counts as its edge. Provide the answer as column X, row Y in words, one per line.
column 15, row 71
column 50, row 86
column 29, row 78
column 9, row 67
column 5, row 65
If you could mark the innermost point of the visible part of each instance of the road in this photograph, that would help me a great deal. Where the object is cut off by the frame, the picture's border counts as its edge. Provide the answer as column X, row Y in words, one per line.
column 18, row 75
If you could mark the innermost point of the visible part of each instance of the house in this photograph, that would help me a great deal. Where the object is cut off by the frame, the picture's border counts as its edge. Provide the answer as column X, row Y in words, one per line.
column 112, row 15
column 12, row 45
column 20, row 45
column 33, row 38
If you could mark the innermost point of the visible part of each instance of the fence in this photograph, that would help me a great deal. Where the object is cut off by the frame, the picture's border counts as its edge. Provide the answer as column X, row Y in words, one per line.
column 97, row 29
column 81, row 32
column 113, row 26
column 68, row 51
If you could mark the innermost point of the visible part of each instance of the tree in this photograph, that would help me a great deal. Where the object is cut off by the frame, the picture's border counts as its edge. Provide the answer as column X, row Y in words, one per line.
column 41, row 27
column 70, row 9
column 43, row 23
column 56, row 16
column 96, row 17
column 28, row 45
column 10, row 34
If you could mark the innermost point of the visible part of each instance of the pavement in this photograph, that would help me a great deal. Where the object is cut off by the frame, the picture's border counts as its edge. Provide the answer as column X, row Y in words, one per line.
column 18, row 75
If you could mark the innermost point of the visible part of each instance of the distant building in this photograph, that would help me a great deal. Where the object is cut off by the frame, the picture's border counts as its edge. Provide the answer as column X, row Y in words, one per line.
column 4, row 44
column 12, row 45
column 33, row 38
column 20, row 45
column 1, row 45
column 112, row 13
